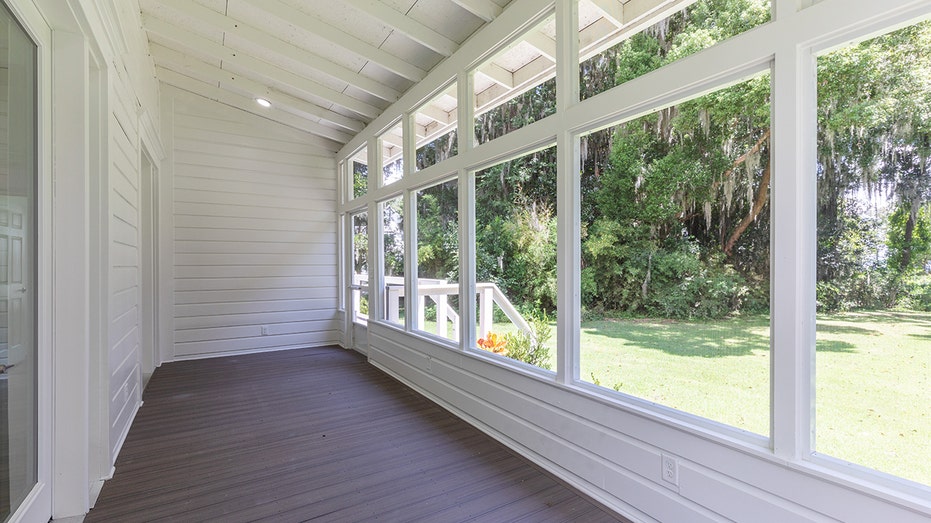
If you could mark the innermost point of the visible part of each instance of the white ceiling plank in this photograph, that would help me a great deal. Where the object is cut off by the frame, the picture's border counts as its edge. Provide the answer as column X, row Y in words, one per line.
column 182, row 63
column 484, row 9
column 313, row 25
column 246, row 104
column 257, row 66
column 272, row 43
column 407, row 26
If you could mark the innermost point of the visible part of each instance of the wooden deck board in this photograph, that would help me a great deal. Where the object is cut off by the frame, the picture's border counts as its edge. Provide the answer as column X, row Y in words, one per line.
column 316, row 435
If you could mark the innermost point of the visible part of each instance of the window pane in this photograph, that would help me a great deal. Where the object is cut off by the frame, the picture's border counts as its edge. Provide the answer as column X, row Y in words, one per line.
column 392, row 147
column 515, row 258
column 873, row 365
column 610, row 55
column 393, row 238
column 435, row 126
column 360, row 266
column 359, row 170
column 675, row 256
column 438, row 259
column 517, row 86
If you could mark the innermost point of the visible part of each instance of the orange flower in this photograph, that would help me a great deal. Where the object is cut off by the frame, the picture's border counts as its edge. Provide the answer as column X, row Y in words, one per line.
column 494, row 343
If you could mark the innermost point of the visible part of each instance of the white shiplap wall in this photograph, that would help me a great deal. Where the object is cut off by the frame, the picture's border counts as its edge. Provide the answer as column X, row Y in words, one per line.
column 254, row 233
column 124, row 299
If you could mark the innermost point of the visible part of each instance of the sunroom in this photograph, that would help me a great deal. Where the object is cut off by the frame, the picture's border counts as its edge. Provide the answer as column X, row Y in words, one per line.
column 675, row 253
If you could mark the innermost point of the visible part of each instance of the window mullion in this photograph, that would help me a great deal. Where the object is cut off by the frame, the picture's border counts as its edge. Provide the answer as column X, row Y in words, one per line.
column 376, row 230
column 466, row 259
column 794, row 201
column 464, row 128
column 409, row 232
column 568, row 252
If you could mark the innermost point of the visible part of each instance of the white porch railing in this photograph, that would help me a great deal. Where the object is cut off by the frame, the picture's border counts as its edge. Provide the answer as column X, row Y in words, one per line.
column 439, row 291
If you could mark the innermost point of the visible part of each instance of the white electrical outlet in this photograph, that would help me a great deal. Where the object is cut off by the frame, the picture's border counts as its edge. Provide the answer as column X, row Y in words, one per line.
column 264, row 330
column 670, row 470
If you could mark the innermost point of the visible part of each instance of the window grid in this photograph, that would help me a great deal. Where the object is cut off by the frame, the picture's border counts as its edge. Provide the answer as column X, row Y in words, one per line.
column 792, row 203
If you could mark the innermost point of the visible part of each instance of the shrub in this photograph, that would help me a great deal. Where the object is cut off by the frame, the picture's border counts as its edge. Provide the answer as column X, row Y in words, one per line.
column 531, row 349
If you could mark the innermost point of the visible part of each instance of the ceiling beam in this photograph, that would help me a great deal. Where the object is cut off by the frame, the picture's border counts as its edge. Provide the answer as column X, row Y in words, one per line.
column 612, row 10
column 497, row 74
column 542, row 43
column 313, row 25
column 256, row 68
column 638, row 9
column 248, row 105
column 436, row 114
column 407, row 26
column 185, row 64
column 245, row 31
column 484, row 9
column 636, row 15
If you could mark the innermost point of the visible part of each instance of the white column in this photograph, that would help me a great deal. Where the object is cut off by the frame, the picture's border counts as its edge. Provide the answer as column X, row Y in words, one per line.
column 568, row 202
column 70, row 253
column 793, row 202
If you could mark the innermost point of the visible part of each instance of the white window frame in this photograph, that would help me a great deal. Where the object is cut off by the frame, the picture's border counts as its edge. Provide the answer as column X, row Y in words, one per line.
column 798, row 32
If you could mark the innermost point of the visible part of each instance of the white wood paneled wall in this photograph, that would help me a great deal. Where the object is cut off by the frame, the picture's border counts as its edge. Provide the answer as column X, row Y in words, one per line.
column 124, row 302
column 255, row 233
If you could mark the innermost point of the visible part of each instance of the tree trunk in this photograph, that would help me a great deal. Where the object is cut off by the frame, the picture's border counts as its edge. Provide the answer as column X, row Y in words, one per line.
column 762, row 195
column 908, row 235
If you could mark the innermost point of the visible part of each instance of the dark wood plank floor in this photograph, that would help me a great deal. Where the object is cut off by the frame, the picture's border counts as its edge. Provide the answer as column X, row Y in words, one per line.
column 316, row 435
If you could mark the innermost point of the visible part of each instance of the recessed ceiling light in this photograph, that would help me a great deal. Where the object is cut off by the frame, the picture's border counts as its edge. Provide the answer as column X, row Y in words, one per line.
column 263, row 102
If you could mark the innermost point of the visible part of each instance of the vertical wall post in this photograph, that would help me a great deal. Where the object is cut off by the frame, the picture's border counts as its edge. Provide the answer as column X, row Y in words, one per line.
column 793, row 244
column 70, row 253
column 568, row 202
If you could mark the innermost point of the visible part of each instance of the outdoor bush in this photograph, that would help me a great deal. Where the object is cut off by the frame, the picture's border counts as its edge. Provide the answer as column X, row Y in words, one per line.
column 669, row 278
column 531, row 348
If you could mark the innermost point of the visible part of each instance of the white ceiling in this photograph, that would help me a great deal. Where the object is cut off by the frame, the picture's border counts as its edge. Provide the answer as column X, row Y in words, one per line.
column 331, row 66
column 328, row 66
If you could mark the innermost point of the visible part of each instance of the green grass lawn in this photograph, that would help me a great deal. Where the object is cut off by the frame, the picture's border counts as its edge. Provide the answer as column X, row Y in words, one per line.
column 718, row 370
column 873, row 397
column 873, row 387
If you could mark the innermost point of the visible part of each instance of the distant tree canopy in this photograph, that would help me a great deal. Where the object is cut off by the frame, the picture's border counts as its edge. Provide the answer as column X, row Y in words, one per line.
column 675, row 204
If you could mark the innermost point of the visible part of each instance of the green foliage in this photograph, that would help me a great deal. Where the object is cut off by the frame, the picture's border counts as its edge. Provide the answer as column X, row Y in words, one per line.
column 531, row 348
column 909, row 239
column 515, row 236
column 438, row 232
column 364, row 304
column 360, row 173
column 851, row 274
column 535, row 104
column 432, row 153
column 668, row 278
column 393, row 237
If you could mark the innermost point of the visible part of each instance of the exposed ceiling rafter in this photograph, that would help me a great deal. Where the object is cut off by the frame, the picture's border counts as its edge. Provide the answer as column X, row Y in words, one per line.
column 484, row 9
column 246, row 32
column 313, row 25
column 407, row 26
column 255, row 67
column 246, row 104
column 184, row 64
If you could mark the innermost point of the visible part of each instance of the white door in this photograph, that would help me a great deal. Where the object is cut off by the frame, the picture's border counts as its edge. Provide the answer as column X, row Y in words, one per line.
column 18, row 174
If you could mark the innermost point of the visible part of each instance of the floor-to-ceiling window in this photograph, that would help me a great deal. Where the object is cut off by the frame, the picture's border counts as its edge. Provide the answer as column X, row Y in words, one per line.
column 719, row 207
